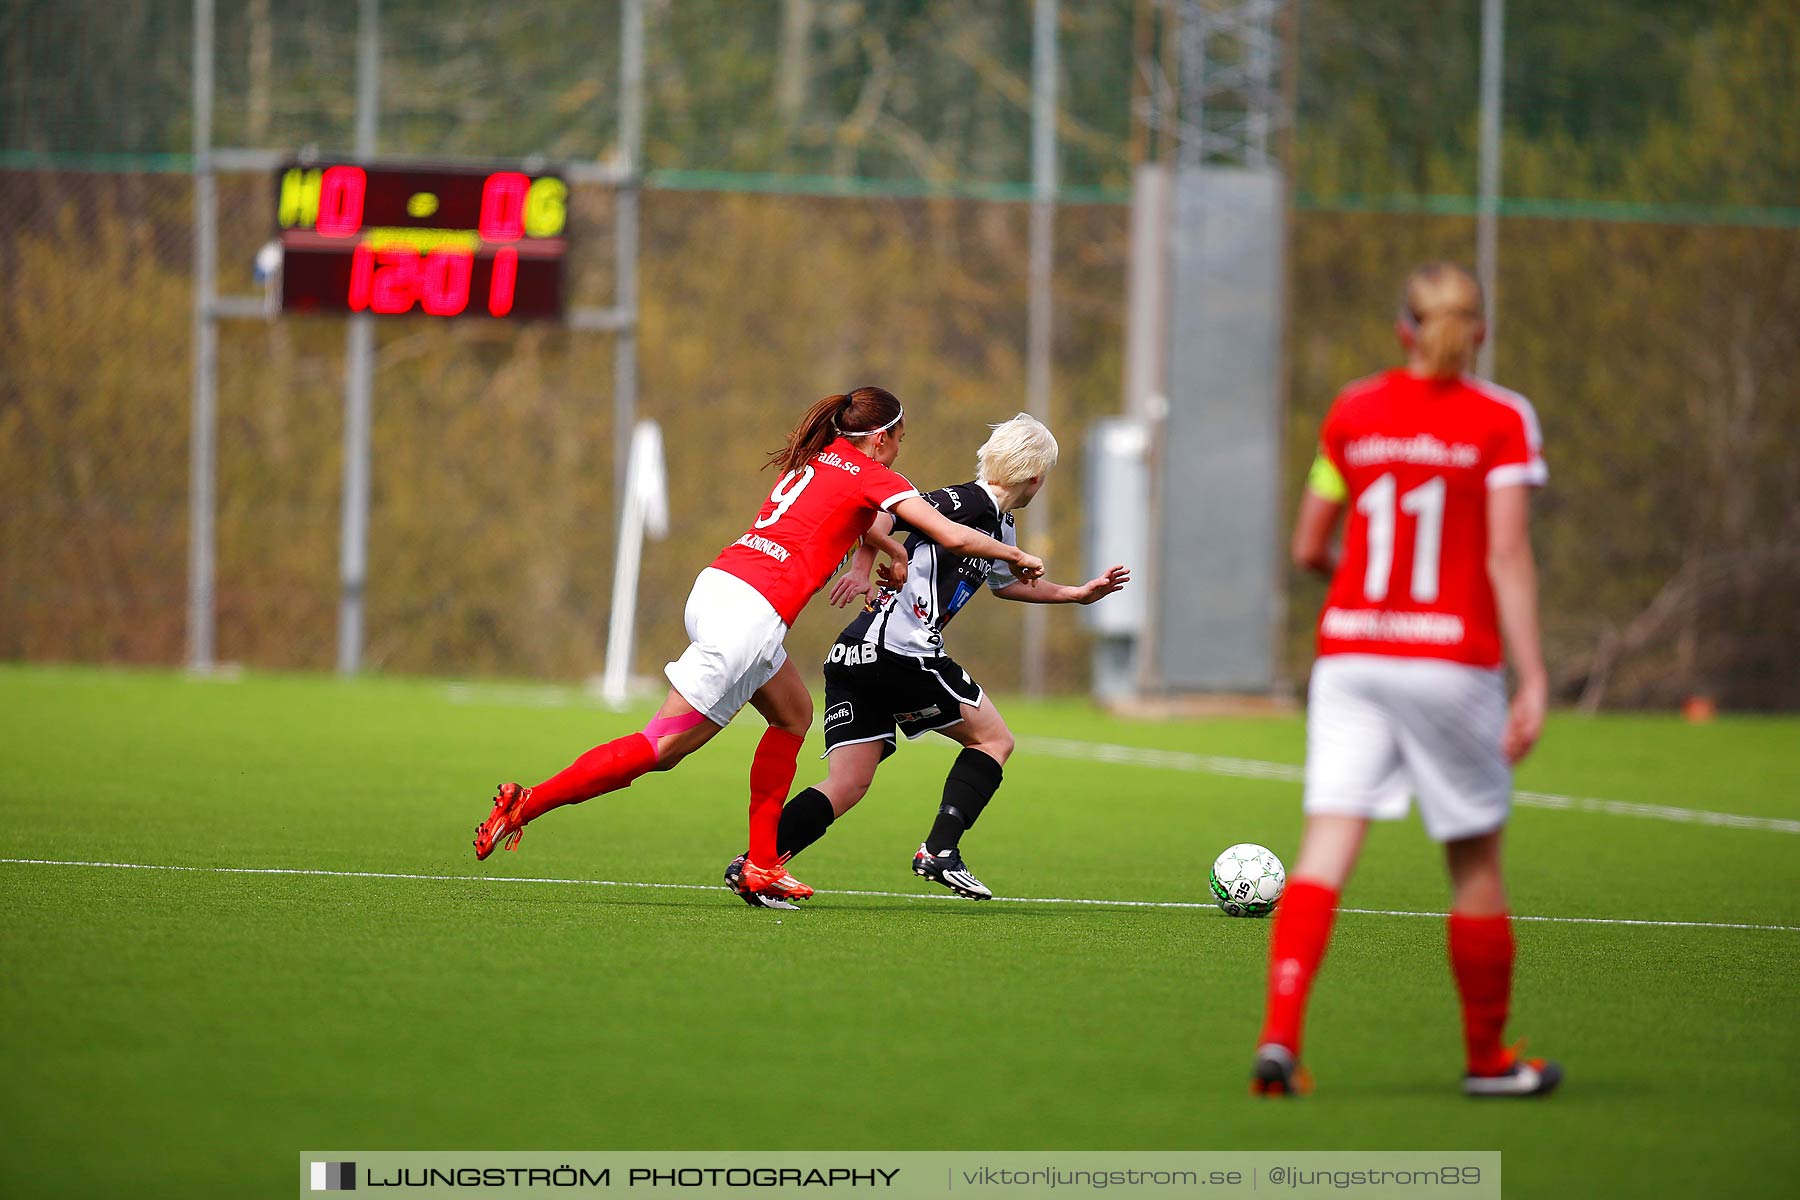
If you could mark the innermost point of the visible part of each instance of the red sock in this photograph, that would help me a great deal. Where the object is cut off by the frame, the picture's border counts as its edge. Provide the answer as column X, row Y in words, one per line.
column 601, row 770
column 1302, row 927
column 771, row 775
column 1481, row 956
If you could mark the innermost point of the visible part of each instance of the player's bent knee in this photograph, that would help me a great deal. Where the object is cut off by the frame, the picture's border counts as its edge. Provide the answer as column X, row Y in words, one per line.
column 671, row 750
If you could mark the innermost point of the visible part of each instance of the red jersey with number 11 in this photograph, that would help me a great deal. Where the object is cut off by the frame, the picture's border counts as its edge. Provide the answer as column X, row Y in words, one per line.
column 810, row 522
column 1418, row 457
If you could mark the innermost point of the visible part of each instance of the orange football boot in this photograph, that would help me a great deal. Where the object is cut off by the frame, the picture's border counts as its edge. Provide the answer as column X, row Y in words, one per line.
column 764, row 888
column 503, row 824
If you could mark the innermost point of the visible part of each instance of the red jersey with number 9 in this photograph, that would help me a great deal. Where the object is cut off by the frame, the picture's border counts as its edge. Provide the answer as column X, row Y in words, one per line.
column 810, row 522
column 1418, row 457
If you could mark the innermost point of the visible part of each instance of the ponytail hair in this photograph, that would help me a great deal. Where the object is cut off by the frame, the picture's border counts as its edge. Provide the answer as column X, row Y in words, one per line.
column 1441, row 304
column 856, row 413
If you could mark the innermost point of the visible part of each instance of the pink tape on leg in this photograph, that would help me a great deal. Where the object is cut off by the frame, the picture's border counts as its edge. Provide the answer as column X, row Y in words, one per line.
column 661, row 727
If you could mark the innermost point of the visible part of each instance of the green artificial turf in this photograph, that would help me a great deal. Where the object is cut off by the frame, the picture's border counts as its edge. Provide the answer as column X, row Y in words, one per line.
column 189, row 1032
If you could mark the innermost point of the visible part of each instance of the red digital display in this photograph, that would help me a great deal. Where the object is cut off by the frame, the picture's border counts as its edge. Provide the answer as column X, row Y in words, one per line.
column 444, row 241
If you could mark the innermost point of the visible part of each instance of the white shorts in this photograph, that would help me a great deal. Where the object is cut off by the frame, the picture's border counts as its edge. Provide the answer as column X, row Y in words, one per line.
column 1380, row 729
column 735, row 637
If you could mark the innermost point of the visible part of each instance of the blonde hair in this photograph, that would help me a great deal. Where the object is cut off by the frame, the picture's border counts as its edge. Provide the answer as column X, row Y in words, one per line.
column 1442, row 305
column 1015, row 451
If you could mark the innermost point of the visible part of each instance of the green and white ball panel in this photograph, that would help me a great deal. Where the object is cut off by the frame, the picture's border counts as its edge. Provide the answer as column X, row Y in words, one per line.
column 1247, row 880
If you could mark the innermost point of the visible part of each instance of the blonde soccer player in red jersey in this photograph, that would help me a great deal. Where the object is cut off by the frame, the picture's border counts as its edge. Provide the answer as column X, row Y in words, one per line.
column 835, row 477
column 1408, row 696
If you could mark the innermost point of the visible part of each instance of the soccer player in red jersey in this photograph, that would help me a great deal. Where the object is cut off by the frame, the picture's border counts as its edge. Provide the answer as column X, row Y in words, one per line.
column 890, row 673
column 835, row 477
column 1408, row 697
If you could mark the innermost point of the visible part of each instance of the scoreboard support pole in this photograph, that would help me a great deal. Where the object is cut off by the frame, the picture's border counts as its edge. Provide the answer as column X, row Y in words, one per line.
column 353, row 540
column 209, row 309
column 359, row 379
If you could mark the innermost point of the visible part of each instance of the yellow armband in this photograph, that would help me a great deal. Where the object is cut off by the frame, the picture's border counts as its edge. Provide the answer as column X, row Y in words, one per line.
column 1326, row 482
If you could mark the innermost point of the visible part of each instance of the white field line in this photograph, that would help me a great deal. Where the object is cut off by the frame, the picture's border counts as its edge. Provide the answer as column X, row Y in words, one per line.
column 551, row 696
column 703, row 887
column 1249, row 768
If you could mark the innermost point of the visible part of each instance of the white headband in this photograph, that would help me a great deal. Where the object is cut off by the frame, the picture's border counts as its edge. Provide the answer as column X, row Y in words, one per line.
column 866, row 432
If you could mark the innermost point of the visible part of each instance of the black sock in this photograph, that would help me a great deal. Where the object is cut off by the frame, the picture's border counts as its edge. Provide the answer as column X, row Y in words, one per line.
column 804, row 820
column 972, row 782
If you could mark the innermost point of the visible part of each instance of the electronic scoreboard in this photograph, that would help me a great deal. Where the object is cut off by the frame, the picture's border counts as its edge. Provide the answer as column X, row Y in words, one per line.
column 444, row 241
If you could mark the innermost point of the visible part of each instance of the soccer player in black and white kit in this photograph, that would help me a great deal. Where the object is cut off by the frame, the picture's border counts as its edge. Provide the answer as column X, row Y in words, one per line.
column 888, row 670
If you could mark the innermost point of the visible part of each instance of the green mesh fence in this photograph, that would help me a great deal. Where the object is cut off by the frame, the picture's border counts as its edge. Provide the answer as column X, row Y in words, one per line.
column 1670, row 111
column 834, row 194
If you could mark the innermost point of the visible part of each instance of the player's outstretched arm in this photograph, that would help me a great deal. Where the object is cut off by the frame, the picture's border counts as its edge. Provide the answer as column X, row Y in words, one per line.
column 1513, row 572
column 879, row 538
column 960, row 539
column 855, row 581
column 1063, row 593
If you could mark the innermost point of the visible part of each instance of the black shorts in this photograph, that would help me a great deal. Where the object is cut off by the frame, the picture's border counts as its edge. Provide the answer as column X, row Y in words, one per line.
column 866, row 700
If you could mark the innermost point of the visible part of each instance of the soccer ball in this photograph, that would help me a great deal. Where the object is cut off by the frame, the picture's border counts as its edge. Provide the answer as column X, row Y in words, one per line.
column 1247, row 880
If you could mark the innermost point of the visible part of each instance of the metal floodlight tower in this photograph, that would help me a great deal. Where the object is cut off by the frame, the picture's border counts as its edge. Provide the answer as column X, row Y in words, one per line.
column 1230, row 98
